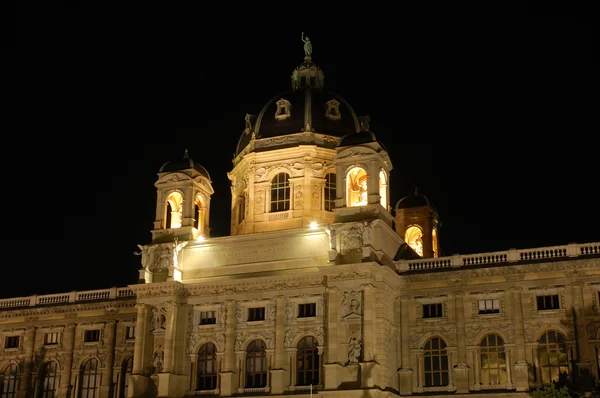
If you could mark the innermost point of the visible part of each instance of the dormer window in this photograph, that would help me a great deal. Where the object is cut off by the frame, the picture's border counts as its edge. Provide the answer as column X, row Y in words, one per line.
column 332, row 110
column 284, row 109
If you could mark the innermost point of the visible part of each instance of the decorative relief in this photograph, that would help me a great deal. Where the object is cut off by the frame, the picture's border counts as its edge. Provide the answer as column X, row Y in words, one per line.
column 252, row 287
column 473, row 330
column 315, row 197
column 351, row 303
column 159, row 319
column 342, row 276
column 354, row 350
column 267, row 335
column 158, row 358
column 592, row 330
column 446, row 331
column 533, row 327
column 353, row 152
column 352, row 241
column 514, row 277
column 317, row 331
column 190, row 344
column 259, row 201
column 299, row 203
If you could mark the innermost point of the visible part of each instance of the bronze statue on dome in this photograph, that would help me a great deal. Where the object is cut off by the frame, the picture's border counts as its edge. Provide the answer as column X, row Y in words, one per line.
column 307, row 45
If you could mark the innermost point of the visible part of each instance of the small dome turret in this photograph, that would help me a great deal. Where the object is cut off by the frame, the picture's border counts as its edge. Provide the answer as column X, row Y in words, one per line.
column 183, row 164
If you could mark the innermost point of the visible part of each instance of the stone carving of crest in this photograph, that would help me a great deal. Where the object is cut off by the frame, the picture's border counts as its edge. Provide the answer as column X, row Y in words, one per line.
column 352, row 241
column 351, row 303
column 159, row 319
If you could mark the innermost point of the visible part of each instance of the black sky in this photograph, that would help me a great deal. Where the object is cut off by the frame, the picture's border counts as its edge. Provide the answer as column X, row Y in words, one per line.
column 491, row 111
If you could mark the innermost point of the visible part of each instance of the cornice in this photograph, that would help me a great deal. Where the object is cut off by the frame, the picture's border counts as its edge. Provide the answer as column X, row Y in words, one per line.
column 35, row 312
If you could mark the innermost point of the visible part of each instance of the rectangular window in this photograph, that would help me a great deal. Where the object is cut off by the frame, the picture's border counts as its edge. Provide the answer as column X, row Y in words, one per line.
column 490, row 306
column 12, row 342
column 129, row 332
column 432, row 310
column 51, row 338
column 256, row 314
column 91, row 335
column 548, row 302
column 208, row 318
column 307, row 310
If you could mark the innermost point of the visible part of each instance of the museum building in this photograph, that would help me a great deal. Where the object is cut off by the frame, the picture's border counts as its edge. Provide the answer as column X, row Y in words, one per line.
column 323, row 286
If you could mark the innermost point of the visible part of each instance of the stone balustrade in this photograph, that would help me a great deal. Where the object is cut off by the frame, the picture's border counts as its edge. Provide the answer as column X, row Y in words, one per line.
column 65, row 298
column 502, row 257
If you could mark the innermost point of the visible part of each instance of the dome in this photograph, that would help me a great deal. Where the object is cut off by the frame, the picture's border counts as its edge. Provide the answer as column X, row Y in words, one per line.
column 362, row 137
column 415, row 200
column 185, row 163
column 307, row 108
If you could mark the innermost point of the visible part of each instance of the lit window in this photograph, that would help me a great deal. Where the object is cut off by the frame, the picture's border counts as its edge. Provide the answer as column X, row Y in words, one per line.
column 173, row 211
column 489, row 306
column 199, row 214
column 356, row 181
column 51, row 338
column 89, row 379
column 493, row 361
column 256, row 314
column 434, row 243
column 436, row 363
column 207, row 367
column 383, row 189
column 414, row 238
column 553, row 358
column 280, row 193
column 241, row 208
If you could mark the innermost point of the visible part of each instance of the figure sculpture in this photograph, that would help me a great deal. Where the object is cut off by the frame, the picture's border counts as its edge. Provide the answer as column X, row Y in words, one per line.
column 307, row 45
column 354, row 350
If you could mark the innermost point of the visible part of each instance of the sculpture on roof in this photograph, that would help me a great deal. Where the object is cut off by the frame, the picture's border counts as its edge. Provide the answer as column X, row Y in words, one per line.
column 307, row 45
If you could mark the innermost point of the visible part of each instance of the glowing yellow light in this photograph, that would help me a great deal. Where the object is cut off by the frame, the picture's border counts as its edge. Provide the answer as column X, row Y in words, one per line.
column 200, row 239
column 313, row 225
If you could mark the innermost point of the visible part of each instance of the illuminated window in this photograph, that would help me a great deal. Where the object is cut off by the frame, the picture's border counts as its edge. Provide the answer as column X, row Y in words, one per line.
column 256, row 365
column 436, row 363
column 490, row 306
column 329, row 193
column 493, row 360
column 173, row 210
column 51, row 338
column 332, row 110
column 434, row 243
column 207, row 367
column 126, row 369
column 280, row 193
column 414, row 238
column 10, row 382
column 284, row 109
column 89, row 379
column 356, row 183
column 552, row 356
column 49, row 386
column 199, row 214
column 383, row 189
column 307, row 362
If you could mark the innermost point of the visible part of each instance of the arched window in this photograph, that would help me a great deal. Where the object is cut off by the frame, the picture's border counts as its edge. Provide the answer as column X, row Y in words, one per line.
column 10, row 383
column 207, row 367
column 552, row 353
column 414, row 238
column 436, row 363
column 307, row 362
column 383, row 189
column 434, row 243
column 89, row 379
column 256, row 365
column 199, row 213
column 329, row 193
column 126, row 369
column 49, row 385
column 356, row 187
column 280, row 193
column 173, row 210
column 493, row 360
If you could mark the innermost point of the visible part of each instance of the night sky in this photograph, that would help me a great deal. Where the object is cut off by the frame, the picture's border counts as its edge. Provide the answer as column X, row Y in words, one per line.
column 489, row 111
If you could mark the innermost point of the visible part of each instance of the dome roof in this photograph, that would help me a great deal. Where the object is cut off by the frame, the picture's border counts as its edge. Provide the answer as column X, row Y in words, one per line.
column 307, row 108
column 362, row 137
column 411, row 201
column 184, row 164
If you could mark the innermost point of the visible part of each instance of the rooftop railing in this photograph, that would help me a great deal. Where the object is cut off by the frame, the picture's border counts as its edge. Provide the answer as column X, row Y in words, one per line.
column 66, row 298
column 504, row 257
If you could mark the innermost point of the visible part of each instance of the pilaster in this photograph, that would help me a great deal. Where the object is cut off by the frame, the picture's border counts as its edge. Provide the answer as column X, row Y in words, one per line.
column 461, row 369
column 68, row 344
column 25, row 388
column 109, row 340
column 521, row 376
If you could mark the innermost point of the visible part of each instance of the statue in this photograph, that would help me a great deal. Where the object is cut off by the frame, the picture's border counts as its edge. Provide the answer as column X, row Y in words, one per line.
column 176, row 249
column 147, row 253
column 158, row 358
column 307, row 45
column 365, row 121
column 248, row 120
column 354, row 350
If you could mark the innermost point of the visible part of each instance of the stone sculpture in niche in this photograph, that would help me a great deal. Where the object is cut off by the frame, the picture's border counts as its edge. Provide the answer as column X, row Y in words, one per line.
column 158, row 359
column 354, row 350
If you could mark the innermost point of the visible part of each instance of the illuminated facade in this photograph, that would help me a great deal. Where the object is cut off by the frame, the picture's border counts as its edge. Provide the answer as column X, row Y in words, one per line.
column 322, row 286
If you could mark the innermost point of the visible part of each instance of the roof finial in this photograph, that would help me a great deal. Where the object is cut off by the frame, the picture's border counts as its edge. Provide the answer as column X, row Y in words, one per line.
column 185, row 154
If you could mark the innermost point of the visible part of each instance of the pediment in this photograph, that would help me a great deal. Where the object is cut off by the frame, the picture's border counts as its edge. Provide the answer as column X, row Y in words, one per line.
column 172, row 178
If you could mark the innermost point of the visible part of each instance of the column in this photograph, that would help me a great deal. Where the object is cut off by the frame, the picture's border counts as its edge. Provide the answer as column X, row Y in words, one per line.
column 291, row 353
column 277, row 371
column 241, row 360
column 109, row 340
column 586, row 366
column 141, row 326
column 68, row 344
column 405, row 373
column 28, row 346
column 521, row 366
column 332, row 366
column 171, row 330
column 228, row 374
column 461, row 369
